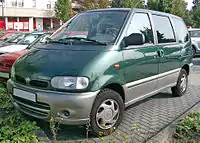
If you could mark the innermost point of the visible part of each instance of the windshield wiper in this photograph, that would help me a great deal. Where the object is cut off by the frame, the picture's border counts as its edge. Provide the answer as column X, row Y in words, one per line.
column 85, row 39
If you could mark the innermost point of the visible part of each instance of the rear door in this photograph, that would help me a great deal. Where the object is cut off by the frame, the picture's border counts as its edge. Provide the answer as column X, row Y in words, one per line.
column 169, row 51
column 184, row 40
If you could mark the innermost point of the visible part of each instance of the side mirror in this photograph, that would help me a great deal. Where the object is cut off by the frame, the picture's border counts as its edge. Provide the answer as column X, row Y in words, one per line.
column 134, row 39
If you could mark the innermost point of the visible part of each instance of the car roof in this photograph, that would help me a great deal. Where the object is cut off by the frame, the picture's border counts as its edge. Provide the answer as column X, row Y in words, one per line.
column 135, row 10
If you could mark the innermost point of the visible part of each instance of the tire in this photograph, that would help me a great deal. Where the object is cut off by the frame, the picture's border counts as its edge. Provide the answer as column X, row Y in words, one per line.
column 193, row 52
column 108, row 97
column 181, row 87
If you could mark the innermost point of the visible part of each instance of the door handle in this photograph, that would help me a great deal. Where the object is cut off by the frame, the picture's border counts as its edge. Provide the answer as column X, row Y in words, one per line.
column 161, row 53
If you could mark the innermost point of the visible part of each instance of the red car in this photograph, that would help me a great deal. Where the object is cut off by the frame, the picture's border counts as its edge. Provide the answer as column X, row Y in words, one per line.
column 6, row 61
column 8, row 34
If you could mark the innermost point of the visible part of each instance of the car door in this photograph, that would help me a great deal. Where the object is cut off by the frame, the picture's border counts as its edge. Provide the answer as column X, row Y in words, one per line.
column 141, row 62
column 169, row 51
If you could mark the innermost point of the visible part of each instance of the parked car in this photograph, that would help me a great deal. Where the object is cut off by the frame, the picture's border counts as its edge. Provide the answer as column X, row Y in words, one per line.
column 14, row 40
column 7, row 59
column 195, row 36
column 127, row 56
column 8, row 35
column 22, row 44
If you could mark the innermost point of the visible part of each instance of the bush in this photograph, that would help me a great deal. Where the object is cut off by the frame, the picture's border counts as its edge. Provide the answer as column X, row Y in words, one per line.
column 189, row 127
column 14, row 127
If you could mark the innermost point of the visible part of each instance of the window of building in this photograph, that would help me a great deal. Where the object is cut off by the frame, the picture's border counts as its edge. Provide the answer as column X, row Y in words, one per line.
column 164, row 30
column 14, row 3
column 12, row 23
column 49, row 5
column 24, row 24
column 141, row 24
column 56, row 24
column 181, row 29
column 34, row 3
column 46, row 23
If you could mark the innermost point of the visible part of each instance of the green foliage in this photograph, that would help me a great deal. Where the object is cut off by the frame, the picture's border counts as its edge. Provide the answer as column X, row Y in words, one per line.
column 157, row 5
column 188, row 126
column 134, row 3
column 196, row 18
column 117, row 3
column 196, row 4
column 128, row 3
column 95, row 4
column 178, row 8
column 13, row 126
column 63, row 10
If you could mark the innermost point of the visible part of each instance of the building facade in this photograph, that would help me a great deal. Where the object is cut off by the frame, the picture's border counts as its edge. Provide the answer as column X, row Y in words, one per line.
column 28, row 15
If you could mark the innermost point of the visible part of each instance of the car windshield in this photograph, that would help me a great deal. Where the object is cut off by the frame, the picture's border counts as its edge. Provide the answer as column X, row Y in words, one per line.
column 9, row 36
column 195, row 33
column 17, row 38
column 29, row 39
column 98, row 26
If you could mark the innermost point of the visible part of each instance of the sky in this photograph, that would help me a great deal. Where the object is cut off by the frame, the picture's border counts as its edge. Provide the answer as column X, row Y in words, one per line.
column 189, row 3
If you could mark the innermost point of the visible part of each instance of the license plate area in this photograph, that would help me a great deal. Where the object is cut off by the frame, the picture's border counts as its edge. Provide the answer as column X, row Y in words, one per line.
column 24, row 94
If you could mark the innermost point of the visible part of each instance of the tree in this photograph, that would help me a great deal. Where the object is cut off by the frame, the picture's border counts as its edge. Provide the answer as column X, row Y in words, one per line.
column 179, row 10
column 155, row 5
column 196, row 18
column 95, row 4
column 196, row 4
column 117, row 3
column 63, row 10
column 134, row 3
column 103, row 3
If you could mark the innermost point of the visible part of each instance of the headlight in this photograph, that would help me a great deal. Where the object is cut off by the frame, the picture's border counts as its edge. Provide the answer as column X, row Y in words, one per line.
column 69, row 82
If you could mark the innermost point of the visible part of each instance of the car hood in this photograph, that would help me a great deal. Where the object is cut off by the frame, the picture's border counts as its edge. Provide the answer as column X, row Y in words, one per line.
column 11, row 57
column 12, row 48
column 45, row 64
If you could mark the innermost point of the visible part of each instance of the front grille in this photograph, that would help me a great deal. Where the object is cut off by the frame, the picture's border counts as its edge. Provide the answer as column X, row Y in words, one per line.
column 19, row 79
column 36, row 83
column 33, row 83
column 38, row 109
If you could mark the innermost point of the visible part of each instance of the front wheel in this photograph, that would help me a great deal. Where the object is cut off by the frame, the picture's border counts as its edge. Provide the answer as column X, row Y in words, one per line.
column 182, row 84
column 107, row 112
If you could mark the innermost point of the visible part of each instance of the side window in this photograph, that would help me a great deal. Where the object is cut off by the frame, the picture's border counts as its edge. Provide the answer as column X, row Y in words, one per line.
column 164, row 29
column 181, row 30
column 141, row 24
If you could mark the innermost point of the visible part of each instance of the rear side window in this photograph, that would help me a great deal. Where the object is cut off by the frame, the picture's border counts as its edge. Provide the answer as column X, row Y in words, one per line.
column 181, row 30
column 164, row 30
column 140, row 23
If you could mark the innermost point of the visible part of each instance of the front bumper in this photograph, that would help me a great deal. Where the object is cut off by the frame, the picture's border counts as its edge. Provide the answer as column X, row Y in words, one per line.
column 67, row 108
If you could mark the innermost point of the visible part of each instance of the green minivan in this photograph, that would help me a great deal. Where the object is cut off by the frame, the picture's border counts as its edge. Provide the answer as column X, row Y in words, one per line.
column 126, row 55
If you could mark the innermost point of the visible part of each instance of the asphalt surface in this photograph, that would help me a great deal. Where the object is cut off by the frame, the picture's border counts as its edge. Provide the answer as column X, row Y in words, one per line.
column 150, row 116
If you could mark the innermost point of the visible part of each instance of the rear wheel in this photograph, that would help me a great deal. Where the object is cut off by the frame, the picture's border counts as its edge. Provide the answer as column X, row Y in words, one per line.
column 182, row 84
column 193, row 51
column 107, row 112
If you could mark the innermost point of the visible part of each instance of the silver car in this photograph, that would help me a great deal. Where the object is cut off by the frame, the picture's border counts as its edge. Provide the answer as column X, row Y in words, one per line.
column 195, row 37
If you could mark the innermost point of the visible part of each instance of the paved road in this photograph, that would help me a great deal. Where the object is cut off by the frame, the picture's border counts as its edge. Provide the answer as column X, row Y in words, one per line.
column 150, row 115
